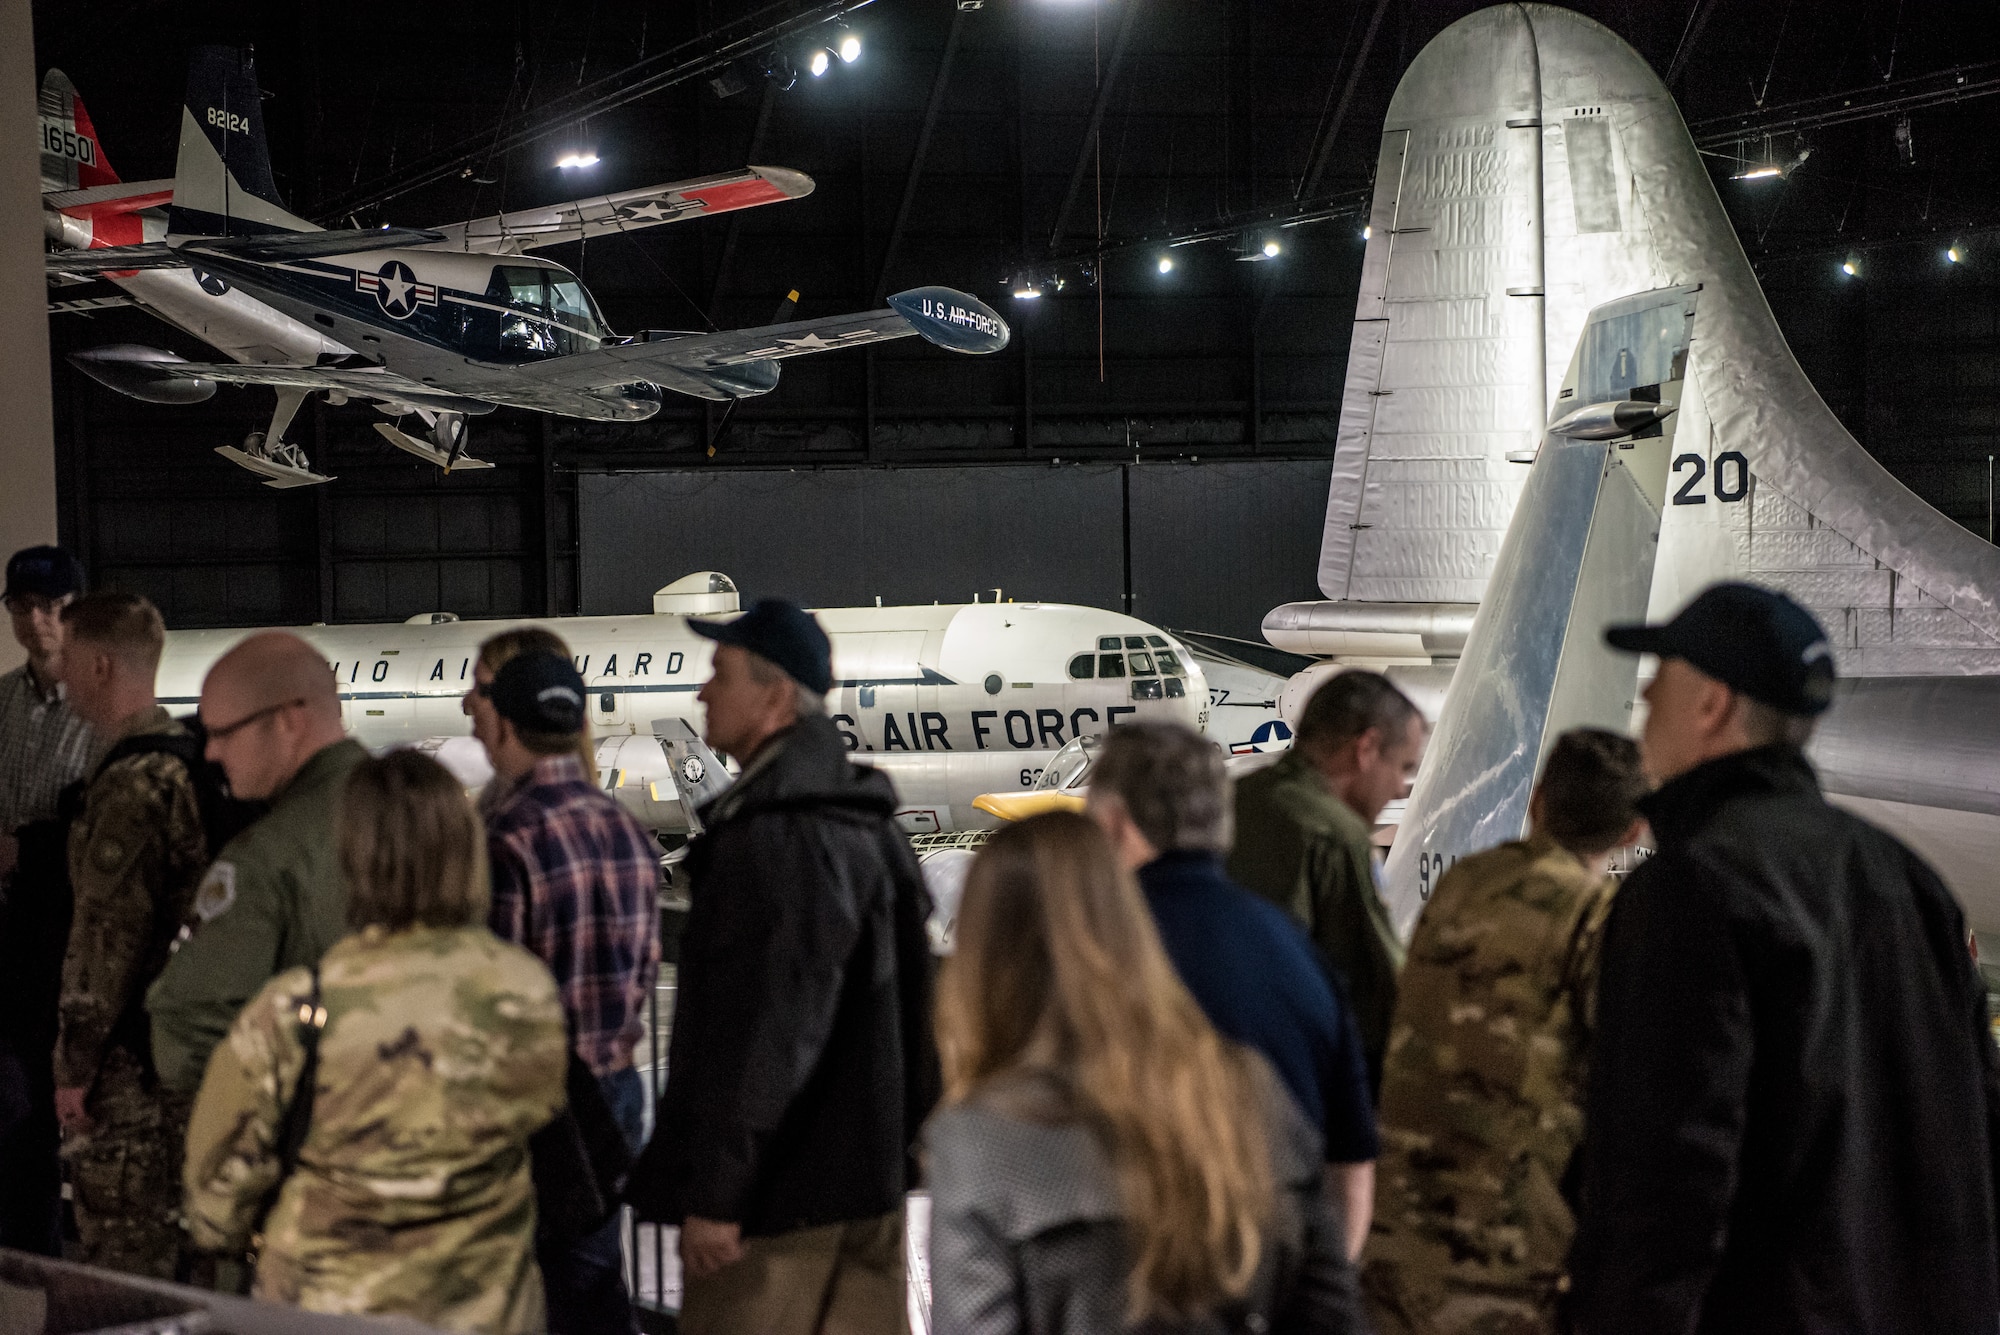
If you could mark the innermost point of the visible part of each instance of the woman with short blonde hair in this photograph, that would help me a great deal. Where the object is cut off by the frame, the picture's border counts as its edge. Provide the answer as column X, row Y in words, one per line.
column 1104, row 1160
column 434, row 1051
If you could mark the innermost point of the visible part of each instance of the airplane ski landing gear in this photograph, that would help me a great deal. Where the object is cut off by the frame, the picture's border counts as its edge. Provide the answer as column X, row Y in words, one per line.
column 446, row 446
column 270, row 456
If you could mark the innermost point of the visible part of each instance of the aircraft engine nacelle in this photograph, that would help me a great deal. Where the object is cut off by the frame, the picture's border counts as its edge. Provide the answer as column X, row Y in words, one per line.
column 134, row 370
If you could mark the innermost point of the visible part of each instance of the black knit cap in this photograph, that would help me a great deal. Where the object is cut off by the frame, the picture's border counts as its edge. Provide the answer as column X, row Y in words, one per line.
column 539, row 691
column 782, row 632
column 1750, row 639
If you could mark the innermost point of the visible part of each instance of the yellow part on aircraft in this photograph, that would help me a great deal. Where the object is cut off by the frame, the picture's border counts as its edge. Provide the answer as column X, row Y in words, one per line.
column 1020, row 806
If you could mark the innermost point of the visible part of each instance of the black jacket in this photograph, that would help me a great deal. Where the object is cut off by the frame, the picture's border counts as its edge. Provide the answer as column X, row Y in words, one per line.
column 1793, row 1091
column 801, row 1066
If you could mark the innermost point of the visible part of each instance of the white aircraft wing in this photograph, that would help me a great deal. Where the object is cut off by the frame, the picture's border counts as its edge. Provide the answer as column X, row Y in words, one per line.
column 124, row 367
column 627, row 211
column 949, row 319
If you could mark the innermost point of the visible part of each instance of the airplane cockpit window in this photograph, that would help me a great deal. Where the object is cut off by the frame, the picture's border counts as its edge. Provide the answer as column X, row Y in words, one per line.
column 1135, row 642
column 1169, row 661
column 1157, row 641
column 1110, row 665
column 1147, row 688
column 1080, row 667
column 1107, row 642
column 573, row 305
column 1142, row 664
column 521, row 288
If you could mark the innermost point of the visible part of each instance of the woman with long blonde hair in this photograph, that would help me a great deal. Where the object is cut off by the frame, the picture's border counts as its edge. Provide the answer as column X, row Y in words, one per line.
column 1103, row 1159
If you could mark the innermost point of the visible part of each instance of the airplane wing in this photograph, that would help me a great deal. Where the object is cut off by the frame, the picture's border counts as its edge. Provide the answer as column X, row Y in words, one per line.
column 128, row 369
column 272, row 248
column 627, row 211
column 939, row 315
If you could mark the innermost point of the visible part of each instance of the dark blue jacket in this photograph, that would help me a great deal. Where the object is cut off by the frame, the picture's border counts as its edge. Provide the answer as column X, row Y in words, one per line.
column 1259, row 980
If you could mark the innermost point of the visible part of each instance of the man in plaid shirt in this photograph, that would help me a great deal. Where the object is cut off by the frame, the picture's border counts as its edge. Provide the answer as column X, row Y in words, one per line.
column 576, row 881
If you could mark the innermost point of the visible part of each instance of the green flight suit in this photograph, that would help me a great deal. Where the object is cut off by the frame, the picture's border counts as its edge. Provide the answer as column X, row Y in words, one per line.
column 273, row 900
column 1307, row 851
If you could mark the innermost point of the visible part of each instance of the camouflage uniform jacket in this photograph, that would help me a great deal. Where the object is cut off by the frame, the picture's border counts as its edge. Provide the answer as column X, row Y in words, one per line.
column 273, row 900
column 1481, row 1093
column 1301, row 847
column 443, row 1051
column 135, row 854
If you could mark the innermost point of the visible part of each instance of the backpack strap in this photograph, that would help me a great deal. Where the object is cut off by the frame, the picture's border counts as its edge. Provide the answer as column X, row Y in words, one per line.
column 295, row 1119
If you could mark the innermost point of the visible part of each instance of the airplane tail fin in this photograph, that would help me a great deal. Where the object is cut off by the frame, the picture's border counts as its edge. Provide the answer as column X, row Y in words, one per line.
column 222, row 182
column 72, row 159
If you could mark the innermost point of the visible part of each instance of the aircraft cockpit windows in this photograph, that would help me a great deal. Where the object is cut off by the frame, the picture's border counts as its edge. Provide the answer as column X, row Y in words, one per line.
column 1135, row 642
column 1147, row 688
column 1142, row 664
column 1081, row 667
column 1176, row 688
column 1107, row 642
column 520, row 288
column 1110, row 665
column 572, row 304
column 1157, row 641
column 1169, row 661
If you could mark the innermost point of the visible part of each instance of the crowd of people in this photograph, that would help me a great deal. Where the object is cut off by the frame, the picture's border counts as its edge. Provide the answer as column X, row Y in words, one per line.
column 301, row 1022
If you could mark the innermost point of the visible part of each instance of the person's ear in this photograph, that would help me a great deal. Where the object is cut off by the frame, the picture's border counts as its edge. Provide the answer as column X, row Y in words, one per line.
column 1535, row 807
column 1636, row 833
column 1368, row 748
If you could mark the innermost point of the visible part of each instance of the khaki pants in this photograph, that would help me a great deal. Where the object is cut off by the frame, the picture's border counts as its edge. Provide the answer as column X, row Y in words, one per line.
column 842, row 1279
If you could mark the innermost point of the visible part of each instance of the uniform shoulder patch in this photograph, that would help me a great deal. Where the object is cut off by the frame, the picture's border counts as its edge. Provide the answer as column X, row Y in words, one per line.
column 216, row 893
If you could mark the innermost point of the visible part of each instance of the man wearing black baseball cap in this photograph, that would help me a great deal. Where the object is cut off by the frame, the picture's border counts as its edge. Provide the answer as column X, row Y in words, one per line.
column 576, row 881
column 1790, row 1118
column 44, row 747
column 801, row 1065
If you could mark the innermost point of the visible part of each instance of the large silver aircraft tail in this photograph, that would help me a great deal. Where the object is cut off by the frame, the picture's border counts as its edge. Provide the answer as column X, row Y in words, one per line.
column 1533, row 167
column 223, row 184
column 1578, row 556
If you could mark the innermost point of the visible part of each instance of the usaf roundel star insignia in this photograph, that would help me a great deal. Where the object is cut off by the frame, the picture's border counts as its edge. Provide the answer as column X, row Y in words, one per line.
column 216, row 892
column 396, row 289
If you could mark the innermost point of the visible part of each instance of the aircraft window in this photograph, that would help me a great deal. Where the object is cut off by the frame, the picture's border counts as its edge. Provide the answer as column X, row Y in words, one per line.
column 1142, row 664
column 1146, row 688
column 1176, row 688
column 1080, row 667
column 1135, row 642
column 1107, row 642
column 572, row 302
column 1110, row 665
column 1157, row 641
column 607, row 702
column 1170, row 663
column 519, row 287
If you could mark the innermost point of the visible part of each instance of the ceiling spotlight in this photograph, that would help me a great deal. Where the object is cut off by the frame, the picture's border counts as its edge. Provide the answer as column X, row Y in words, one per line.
column 849, row 49
column 1850, row 266
column 1763, row 171
column 1166, row 264
column 1953, row 255
column 586, row 158
column 1771, row 167
column 1367, row 232
column 1026, row 288
column 1271, row 249
column 819, row 62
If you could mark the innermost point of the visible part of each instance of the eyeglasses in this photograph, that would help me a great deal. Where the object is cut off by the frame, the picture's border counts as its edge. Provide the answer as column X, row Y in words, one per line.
column 223, row 733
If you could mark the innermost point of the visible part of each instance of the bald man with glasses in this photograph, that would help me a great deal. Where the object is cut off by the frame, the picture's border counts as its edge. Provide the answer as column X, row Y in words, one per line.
column 273, row 900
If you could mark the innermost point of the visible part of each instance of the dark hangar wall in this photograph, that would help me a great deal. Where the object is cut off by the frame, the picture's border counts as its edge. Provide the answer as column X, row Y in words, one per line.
column 1202, row 546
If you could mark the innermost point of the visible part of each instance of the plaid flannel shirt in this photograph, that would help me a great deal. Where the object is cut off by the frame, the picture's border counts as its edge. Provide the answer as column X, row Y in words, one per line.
column 43, row 749
column 576, row 881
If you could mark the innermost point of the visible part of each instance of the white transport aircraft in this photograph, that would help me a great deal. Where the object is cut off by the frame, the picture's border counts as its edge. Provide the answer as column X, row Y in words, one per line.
column 952, row 701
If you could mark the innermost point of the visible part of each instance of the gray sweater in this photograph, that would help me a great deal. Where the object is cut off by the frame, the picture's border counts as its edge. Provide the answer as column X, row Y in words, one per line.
column 1027, row 1231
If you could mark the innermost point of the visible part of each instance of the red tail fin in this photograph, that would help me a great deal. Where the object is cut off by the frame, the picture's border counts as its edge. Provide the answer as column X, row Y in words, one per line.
column 72, row 158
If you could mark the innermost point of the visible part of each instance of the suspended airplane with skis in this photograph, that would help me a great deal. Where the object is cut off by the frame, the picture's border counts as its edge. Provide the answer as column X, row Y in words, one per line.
column 443, row 324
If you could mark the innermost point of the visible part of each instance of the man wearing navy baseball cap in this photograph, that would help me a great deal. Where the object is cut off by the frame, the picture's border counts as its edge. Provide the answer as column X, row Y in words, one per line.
column 801, row 1065
column 1790, row 1118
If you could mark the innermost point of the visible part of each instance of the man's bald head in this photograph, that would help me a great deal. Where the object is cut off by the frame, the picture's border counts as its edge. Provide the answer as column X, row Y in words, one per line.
column 270, row 705
column 269, row 669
